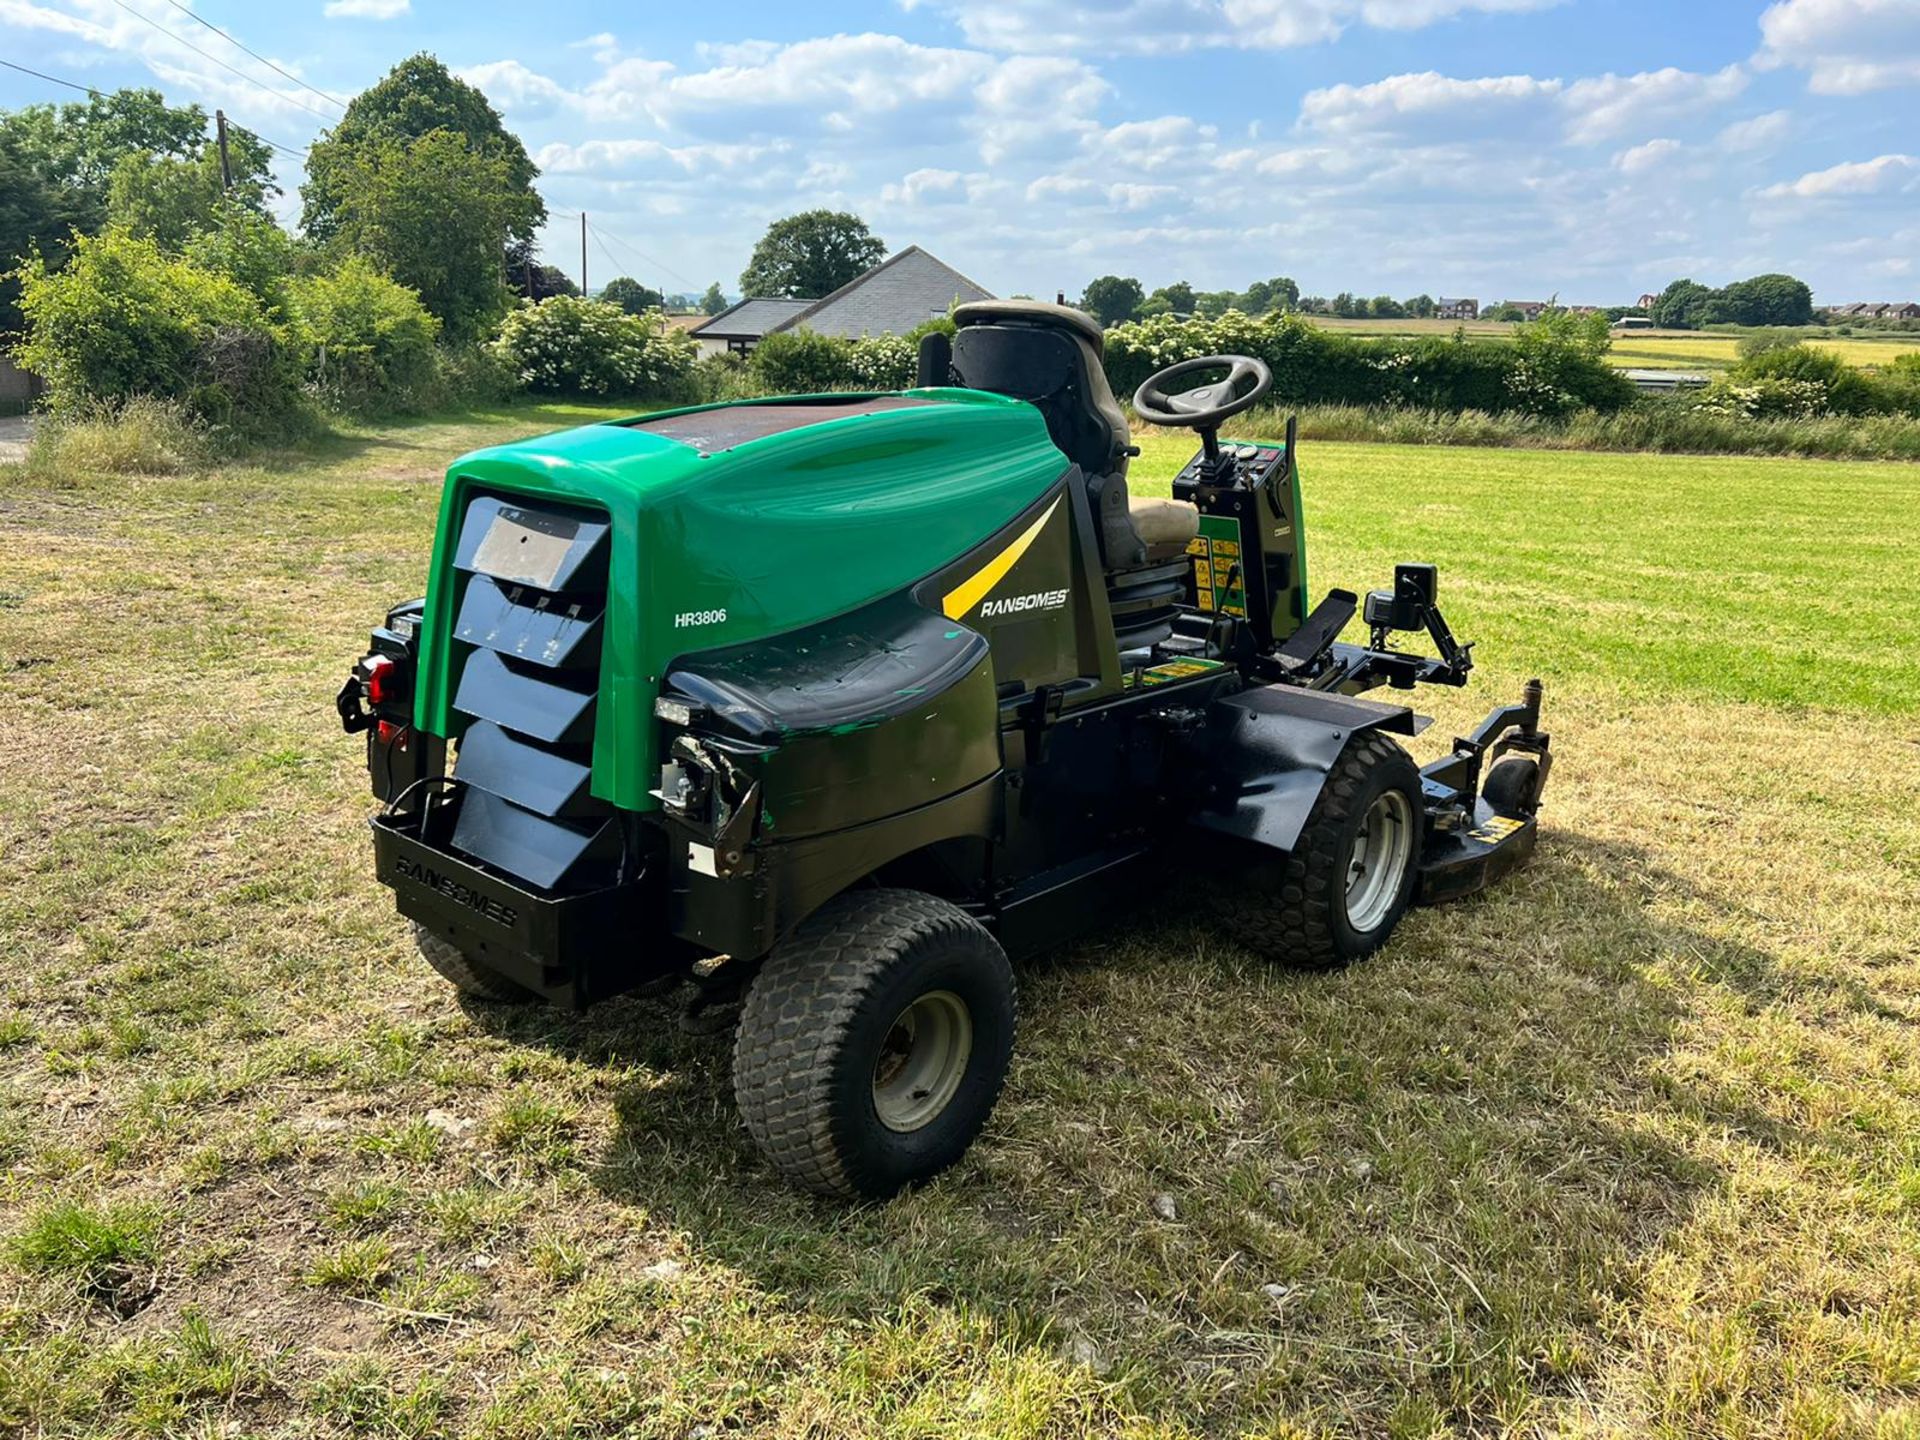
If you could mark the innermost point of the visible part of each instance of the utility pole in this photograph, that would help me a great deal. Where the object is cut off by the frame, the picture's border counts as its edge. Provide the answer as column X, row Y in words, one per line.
column 583, row 254
column 226, row 165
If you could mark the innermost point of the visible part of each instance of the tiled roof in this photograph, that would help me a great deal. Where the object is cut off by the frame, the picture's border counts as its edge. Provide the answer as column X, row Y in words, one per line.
column 751, row 318
column 899, row 293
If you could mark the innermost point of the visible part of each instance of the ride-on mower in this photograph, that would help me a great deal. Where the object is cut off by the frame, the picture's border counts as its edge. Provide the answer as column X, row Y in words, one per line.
column 830, row 705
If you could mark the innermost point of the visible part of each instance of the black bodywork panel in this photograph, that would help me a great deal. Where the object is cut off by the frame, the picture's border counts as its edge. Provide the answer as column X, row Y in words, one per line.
column 1267, row 752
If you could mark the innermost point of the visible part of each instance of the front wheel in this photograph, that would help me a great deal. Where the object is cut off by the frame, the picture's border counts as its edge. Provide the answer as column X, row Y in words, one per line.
column 874, row 1043
column 470, row 977
column 1337, row 896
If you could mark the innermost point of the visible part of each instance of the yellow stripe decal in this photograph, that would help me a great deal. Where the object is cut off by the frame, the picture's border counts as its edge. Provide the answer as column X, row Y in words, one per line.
column 971, row 591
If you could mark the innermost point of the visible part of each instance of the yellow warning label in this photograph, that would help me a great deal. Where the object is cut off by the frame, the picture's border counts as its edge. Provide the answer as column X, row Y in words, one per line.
column 1496, row 829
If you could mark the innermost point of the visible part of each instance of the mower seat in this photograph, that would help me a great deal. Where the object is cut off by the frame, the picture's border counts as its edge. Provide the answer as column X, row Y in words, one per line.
column 1164, row 526
column 1049, row 356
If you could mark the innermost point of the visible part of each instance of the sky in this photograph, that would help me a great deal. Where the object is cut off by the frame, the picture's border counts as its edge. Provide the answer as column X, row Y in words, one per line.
column 1516, row 149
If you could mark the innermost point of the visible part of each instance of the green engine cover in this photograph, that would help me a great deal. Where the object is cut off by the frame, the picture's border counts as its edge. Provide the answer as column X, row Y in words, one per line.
column 718, row 540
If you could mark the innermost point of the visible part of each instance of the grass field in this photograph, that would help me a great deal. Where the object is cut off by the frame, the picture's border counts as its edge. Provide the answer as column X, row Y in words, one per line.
column 1653, row 349
column 1624, row 1148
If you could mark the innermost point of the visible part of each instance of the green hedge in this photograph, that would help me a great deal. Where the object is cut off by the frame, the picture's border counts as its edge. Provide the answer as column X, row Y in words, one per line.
column 1550, row 369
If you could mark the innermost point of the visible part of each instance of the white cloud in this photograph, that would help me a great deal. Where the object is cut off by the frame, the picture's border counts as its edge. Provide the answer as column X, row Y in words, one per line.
column 1614, row 106
column 366, row 9
column 1650, row 156
column 1847, row 47
column 1886, row 175
column 627, row 156
column 926, row 184
column 1762, row 132
column 1152, row 27
column 1428, row 105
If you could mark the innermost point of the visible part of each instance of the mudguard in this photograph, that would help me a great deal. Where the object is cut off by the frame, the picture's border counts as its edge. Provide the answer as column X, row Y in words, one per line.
column 1268, row 751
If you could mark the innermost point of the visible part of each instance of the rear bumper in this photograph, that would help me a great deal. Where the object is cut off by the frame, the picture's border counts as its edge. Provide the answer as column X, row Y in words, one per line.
column 573, row 949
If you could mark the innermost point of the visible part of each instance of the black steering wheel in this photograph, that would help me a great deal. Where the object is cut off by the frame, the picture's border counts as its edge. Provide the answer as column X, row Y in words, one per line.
column 1206, row 407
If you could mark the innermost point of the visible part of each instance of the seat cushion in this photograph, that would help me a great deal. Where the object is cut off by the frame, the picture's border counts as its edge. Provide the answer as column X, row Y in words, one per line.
column 1161, row 522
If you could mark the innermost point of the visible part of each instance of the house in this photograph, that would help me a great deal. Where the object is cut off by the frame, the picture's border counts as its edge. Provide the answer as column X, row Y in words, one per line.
column 1908, row 311
column 1646, row 302
column 742, row 326
column 1445, row 309
column 1529, row 309
column 904, row 291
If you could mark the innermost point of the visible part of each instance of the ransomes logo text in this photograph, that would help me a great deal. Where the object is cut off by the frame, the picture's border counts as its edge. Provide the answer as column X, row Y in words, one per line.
column 1020, row 604
column 455, row 891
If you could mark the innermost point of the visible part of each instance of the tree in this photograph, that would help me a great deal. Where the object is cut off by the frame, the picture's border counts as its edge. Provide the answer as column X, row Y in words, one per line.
column 810, row 255
column 630, row 295
column 1421, row 307
column 1112, row 299
column 1279, row 293
column 1214, row 303
column 418, row 97
column 433, row 213
column 1347, row 307
column 167, row 198
column 1179, row 297
column 713, row 302
column 1683, row 305
column 57, row 164
column 1153, row 306
column 1768, row 300
column 1385, row 307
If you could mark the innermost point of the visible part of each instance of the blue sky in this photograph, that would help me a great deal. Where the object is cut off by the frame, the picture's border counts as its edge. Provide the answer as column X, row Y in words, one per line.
column 1497, row 148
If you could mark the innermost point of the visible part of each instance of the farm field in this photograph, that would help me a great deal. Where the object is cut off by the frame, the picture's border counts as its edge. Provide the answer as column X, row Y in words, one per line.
column 1624, row 1148
column 1654, row 349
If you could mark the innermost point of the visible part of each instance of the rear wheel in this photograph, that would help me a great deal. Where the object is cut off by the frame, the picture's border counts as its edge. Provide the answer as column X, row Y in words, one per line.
column 1337, row 896
column 874, row 1043
column 467, row 975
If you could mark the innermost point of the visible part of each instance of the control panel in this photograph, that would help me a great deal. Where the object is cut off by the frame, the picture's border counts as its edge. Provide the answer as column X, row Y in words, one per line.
column 1252, row 465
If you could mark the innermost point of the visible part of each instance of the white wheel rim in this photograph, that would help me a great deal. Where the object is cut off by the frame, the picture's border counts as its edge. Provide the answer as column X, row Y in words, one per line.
column 1381, row 849
column 922, row 1060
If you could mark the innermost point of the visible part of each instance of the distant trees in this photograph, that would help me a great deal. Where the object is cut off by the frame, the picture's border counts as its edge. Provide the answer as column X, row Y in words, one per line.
column 630, row 295
column 1112, row 299
column 1772, row 299
column 810, row 255
column 713, row 302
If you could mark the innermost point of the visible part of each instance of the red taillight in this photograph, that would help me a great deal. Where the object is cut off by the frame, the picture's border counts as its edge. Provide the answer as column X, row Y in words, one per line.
column 382, row 680
column 388, row 731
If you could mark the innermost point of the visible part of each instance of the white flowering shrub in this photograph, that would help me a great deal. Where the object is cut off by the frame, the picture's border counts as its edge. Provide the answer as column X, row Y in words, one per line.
column 1770, row 398
column 577, row 346
column 883, row 362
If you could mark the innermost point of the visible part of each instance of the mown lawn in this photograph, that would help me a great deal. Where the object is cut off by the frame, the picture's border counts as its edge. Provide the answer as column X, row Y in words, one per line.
column 1627, row 1147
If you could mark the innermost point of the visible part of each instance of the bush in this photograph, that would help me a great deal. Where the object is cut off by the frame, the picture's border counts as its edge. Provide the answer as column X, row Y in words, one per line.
column 801, row 362
column 373, row 341
column 1548, row 369
column 469, row 375
column 121, row 319
column 720, row 377
column 1817, row 377
column 883, row 362
column 573, row 345
column 141, row 436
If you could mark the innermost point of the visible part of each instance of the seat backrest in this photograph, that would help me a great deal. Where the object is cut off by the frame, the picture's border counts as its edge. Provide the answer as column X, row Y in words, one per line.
column 1049, row 356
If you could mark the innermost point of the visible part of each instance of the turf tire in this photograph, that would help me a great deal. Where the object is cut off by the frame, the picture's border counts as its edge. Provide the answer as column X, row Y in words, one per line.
column 816, row 1018
column 1512, row 788
column 467, row 975
column 1293, row 909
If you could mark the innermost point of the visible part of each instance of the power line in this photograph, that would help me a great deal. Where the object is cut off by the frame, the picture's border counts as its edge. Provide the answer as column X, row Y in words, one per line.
column 101, row 95
column 645, row 258
column 258, row 84
column 195, row 15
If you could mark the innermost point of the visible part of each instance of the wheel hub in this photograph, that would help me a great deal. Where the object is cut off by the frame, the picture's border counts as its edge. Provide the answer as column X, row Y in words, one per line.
column 922, row 1060
column 1381, row 849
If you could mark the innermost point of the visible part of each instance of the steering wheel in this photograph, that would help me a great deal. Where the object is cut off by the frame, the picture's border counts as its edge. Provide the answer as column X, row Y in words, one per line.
column 1206, row 407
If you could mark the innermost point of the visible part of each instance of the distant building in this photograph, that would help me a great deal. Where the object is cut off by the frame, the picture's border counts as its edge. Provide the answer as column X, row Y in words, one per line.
column 900, row 293
column 1633, row 322
column 1908, row 311
column 1529, row 309
column 1445, row 309
column 1646, row 302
